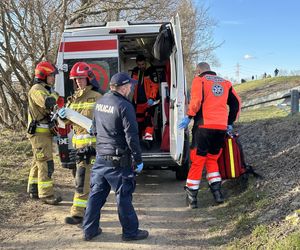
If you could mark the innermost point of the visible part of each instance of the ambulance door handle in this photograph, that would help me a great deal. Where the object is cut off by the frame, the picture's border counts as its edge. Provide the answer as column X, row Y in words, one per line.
column 172, row 103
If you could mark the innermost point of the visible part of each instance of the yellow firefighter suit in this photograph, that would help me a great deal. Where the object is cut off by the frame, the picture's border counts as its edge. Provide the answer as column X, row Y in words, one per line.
column 40, row 183
column 83, row 101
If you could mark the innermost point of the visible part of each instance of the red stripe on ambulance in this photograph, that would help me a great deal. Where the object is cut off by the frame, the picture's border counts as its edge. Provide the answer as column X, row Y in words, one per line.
column 88, row 45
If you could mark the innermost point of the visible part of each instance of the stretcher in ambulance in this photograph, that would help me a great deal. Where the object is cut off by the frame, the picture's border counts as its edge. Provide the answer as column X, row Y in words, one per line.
column 112, row 47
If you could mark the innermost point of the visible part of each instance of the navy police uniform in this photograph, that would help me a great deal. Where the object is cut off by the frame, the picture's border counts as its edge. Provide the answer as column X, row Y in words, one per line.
column 117, row 139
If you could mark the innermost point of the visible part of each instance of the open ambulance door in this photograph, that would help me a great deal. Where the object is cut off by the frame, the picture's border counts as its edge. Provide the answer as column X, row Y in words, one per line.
column 100, row 52
column 177, row 94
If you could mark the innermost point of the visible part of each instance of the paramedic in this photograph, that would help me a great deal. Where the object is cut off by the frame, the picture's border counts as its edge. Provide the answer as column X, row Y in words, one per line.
column 145, row 93
column 82, row 101
column 41, row 101
column 117, row 143
column 210, row 95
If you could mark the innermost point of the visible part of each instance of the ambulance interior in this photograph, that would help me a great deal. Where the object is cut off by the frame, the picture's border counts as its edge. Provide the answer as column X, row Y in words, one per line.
column 129, row 47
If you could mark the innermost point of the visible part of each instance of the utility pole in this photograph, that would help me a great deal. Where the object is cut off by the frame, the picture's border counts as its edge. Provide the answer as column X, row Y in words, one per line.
column 238, row 72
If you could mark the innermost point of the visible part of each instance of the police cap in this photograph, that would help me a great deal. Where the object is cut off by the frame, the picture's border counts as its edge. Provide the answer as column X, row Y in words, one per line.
column 121, row 78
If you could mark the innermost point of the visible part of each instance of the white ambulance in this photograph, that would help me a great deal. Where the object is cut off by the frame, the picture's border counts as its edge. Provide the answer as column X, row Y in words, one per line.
column 112, row 47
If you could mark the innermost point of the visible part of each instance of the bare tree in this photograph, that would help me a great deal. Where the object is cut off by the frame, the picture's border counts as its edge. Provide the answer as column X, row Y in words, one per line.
column 197, row 37
column 30, row 32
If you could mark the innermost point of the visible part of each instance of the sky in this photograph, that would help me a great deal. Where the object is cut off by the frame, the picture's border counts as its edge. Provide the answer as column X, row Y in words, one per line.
column 259, row 36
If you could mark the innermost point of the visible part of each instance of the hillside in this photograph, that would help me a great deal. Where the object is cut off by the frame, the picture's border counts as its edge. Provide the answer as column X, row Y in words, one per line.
column 264, row 87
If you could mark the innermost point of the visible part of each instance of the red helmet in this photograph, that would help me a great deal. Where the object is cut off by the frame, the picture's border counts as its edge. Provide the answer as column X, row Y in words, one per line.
column 81, row 70
column 44, row 69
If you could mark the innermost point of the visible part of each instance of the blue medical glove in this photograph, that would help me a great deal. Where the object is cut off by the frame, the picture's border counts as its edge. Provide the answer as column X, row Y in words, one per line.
column 184, row 122
column 150, row 102
column 139, row 168
column 62, row 113
column 229, row 129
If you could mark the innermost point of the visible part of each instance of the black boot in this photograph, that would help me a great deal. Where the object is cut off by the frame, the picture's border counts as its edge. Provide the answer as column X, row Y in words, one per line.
column 191, row 197
column 73, row 220
column 216, row 191
column 33, row 191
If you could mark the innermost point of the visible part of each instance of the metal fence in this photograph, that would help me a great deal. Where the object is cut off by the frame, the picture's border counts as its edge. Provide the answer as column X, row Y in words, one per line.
column 290, row 97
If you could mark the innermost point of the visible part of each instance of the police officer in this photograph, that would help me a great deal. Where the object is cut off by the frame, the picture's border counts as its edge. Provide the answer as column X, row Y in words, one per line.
column 42, row 99
column 210, row 95
column 83, row 101
column 117, row 143
column 145, row 93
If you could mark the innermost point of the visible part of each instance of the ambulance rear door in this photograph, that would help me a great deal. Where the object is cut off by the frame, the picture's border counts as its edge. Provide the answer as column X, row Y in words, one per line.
column 100, row 52
column 177, row 94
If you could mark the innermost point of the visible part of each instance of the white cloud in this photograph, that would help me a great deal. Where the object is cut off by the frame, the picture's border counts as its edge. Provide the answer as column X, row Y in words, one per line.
column 248, row 57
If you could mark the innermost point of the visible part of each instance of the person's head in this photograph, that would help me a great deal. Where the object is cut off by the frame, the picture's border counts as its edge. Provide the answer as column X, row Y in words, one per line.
column 45, row 72
column 141, row 62
column 122, row 83
column 202, row 67
column 81, row 73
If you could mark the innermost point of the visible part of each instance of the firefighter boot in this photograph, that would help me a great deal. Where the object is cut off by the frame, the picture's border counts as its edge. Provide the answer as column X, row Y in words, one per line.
column 191, row 197
column 33, row 191
column 52, row 200
column 216, row 191
column 73, row 220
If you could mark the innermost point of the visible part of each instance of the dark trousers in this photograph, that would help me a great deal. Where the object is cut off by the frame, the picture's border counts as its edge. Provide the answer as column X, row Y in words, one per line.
column 104, row 177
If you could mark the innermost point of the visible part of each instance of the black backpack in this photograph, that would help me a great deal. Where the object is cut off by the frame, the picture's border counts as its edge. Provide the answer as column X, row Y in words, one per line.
column 164, row 43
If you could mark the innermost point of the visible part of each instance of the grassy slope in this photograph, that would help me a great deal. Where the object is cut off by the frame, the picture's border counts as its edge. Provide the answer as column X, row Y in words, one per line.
column 15, row 158
column 248, row 232
column 264, row 87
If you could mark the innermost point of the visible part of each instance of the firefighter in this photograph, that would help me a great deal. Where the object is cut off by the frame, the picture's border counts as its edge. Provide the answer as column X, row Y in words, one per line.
column 210, row 95
column 145, row 93
column 82, row 101
column 117, row 142
column 42, row 100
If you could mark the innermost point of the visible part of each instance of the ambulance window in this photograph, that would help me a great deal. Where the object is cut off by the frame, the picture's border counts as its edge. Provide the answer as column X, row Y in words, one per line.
column 103, row 69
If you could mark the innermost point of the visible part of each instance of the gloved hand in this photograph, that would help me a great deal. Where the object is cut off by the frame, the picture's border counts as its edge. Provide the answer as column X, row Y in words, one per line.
column 150, row 102
column 184, row 122
column 90, row 130
column 139, row 168
column 62, row 113
column 229, row 129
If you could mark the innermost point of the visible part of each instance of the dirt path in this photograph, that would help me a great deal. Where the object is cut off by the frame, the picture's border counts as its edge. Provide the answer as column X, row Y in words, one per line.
column 159, row 201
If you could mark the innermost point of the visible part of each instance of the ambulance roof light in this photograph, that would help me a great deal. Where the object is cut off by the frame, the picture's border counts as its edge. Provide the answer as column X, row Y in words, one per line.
column 117, row 30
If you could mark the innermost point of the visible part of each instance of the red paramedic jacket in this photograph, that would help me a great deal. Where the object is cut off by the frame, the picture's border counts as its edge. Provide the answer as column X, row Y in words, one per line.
column 210, row 95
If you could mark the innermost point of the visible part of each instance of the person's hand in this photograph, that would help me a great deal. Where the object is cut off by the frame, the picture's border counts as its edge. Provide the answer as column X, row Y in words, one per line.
column 62, row 113
column 184, row 123
column 150, row 102
column 139, row 168
column 90, row 130
column 229, row 129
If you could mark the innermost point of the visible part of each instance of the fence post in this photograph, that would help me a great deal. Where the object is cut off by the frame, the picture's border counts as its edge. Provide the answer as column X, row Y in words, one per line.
column 294, row 101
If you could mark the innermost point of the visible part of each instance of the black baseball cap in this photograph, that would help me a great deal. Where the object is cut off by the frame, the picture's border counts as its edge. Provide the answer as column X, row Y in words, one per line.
column 121, row 78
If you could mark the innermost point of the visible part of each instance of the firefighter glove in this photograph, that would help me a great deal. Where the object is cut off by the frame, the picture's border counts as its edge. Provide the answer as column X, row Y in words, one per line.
column 62, row 113
column 139, row 168
column 184, row 123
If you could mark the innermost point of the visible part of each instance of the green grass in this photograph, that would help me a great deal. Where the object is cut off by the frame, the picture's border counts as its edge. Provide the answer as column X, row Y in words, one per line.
column 258, row 84
column 262, row 113
column 15, row 159
column 266, row 237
